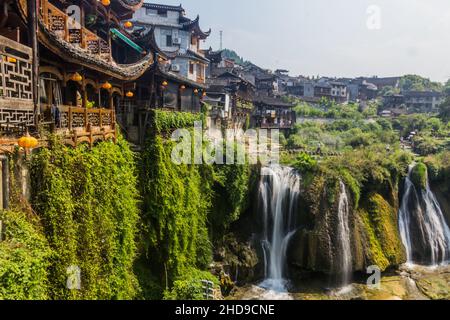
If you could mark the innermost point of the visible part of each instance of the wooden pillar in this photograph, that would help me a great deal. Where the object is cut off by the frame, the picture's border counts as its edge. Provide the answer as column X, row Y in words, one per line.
column 33, row 6
column 84, row 93
column 109, row 33
column 111, row 100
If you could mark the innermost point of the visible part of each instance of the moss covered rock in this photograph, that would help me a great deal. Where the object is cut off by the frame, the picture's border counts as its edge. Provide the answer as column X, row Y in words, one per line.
column 383, row 246
column 419, row 176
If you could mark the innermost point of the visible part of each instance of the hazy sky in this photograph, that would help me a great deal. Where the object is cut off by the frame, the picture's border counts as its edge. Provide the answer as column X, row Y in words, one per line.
column 332, row 37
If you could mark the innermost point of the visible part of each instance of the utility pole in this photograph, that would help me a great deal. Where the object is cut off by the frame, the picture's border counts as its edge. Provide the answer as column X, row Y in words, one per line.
column 221, row 40
column 32, row 13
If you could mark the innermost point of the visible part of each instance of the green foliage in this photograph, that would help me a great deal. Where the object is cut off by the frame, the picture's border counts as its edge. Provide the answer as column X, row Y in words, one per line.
column 419, row 175
column 188, row 286
column 384, row 247
column 389, row 91
column 177, row 200
column 231, row 193
column 417, row 83
column 87, row 200
column 439, row 166
column 232, row 55
column 24, row 258
column 305, row 163
column 165, row 121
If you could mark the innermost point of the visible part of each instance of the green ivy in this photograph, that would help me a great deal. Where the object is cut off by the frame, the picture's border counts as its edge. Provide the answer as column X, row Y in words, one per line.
column 87, row 200
column 164, row 121
column 176, row 204
column 24, row 254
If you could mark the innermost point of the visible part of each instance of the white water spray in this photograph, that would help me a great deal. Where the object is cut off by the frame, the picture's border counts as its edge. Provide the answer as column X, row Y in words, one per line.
column 345, row 267
column 423, row 229
column 278, row 192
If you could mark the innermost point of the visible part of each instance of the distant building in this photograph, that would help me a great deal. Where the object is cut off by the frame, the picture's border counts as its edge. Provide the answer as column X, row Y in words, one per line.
column 423, row 101
column 382, row 82
column 339, row 92
column 231, row 97
column 413, row 102
column 393, row 101
column 273, row 113
column 323, row 90
column 361, row 90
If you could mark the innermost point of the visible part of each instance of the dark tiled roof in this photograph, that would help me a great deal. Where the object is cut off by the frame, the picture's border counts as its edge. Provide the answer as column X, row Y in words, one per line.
column 176, row 77
column 194, row 25
column 271, row 101
column 193, row 55
column 132, row 5
column 146, row 38
column 74, row 54
column 157, row 6
column 421, row 94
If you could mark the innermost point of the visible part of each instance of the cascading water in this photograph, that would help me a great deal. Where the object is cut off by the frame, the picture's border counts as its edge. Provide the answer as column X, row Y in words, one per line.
column 424, row 232
column 278, row 192
column 345, row 257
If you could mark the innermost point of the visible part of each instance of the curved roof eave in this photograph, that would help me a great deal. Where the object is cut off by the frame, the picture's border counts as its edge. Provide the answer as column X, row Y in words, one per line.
column 75, row 55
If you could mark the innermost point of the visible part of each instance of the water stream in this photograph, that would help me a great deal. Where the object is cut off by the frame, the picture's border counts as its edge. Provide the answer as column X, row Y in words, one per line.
column 345, row 257
column 278, row 195
column 423, row 229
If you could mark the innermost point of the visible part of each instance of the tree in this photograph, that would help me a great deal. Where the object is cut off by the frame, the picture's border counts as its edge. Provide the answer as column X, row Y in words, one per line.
column 414, row 82
column 445, row 110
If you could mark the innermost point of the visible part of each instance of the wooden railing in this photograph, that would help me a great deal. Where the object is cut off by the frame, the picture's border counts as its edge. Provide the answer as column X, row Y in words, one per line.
column 76, row 118
column 67, row 29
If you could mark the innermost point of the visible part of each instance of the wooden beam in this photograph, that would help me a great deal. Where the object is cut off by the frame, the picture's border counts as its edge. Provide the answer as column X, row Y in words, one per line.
column 33, row 6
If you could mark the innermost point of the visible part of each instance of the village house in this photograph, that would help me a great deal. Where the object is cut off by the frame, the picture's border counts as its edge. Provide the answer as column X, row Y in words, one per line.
column 231, row 100
column 176, row 35
column 88, row 66
column 413, row 102
column 323, row 90
column 176, row 80
column 339, row 91
column 229, row 94
column 273, row 113
column 423, row 101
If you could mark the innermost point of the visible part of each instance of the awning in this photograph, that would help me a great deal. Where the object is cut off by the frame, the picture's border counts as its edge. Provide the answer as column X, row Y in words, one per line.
column 127, row 40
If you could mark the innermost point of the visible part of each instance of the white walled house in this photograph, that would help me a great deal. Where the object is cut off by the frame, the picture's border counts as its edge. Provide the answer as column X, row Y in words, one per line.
column 176, row 35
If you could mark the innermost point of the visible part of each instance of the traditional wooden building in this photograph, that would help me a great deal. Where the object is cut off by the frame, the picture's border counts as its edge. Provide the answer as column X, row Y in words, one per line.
column 231, row 98
column 17, row 112
column 88, row 64
column 273, row 113
column 176, row 79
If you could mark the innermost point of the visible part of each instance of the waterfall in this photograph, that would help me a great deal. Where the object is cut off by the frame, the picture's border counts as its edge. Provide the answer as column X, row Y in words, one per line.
column 345, row 256
column 278, row 194
column 423, row 229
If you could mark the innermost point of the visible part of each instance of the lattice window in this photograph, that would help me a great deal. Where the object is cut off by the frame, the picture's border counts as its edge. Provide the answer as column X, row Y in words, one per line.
column 15, row 70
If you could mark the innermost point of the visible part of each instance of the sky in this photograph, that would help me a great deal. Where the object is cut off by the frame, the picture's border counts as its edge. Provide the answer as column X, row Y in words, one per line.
column 342, row 38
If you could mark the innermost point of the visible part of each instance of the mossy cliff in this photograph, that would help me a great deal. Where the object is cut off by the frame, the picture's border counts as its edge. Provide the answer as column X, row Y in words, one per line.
column 439, row 175
column 372, row 184
column 82, row 215
column 186, row 210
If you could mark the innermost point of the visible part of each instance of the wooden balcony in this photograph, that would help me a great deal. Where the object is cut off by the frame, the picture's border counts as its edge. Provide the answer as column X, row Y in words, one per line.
column 82, row 125
column 60, row 24
column 16, row 90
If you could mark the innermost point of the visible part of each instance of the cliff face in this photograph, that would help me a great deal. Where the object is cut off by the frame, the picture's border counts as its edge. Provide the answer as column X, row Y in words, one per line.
column 374, row 236
column 316, row 246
